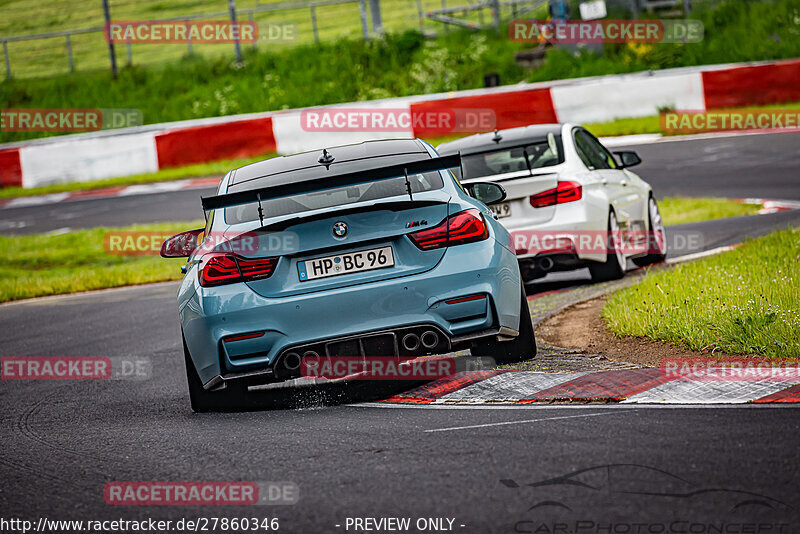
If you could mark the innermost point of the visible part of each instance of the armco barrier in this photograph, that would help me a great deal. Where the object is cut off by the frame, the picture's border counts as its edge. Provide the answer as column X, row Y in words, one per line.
column 774, row 83
column 227, row 140
column 83, row 157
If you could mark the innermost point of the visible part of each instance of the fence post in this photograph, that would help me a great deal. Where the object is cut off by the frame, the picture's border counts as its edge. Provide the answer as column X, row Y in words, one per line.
column 69, row 55
column 232, row 9
column 130, row 53
column 687, row 7
column 495, row 14
column 419, row 14
column 107, row 33
column 362, row 8
column 252, row 19
column 189, row 39
column 375, row 11
column 313, row 10
column 8, row 64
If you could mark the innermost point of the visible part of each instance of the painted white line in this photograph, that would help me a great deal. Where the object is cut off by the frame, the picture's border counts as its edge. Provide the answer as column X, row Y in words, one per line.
column 36, row 201
column 545, row 406
column 505, row 423
column 697, row 255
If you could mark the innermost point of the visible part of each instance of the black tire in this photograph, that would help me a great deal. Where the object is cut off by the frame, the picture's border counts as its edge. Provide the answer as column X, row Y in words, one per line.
column 656, row 237
column 229, row 399
column 523, row 347
column 614, row 266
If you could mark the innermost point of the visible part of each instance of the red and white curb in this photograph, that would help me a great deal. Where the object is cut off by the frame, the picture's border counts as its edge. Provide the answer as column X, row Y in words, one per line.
column 639, row 386
column 771, row 206
column 110, row 192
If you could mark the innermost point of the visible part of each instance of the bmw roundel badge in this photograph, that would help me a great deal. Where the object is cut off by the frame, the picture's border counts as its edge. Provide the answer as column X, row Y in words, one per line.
column 340, row 229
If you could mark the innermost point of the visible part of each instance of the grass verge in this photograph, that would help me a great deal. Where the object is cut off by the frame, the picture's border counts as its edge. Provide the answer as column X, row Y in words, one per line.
column 745, row 301
column 681, row 210
column 42, row 264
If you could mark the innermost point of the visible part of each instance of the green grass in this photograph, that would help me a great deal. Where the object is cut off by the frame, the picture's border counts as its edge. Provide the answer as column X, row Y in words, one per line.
column 38, row 265
column 651, row 124
column 398, row 64
column 199, row 170
column 746, row 301
column 680, row 210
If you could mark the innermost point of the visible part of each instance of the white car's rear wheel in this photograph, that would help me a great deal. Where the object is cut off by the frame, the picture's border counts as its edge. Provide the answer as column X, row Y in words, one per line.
column 656, row 237
column 614, row 266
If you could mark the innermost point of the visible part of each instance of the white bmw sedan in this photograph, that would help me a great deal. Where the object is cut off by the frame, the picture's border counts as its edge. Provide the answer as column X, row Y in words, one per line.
column 570, row 202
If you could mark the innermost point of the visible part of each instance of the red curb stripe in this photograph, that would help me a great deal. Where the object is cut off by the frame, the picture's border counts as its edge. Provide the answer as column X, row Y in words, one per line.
column 790, row 394
column 605, row 385
column 431, row 391
column 94, row 193
column 202, row 182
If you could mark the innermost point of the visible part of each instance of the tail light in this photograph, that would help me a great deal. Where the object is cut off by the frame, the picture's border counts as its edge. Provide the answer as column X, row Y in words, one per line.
column 458, row 229
column 564, row 192
column 221, row 269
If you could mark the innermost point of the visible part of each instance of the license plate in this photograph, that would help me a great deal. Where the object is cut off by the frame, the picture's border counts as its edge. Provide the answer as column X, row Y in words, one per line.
column 352, row 262
column 501, row 210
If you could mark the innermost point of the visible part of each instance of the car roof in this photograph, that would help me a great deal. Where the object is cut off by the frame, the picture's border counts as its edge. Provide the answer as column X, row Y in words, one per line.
column 510, row 137
column 346, row 159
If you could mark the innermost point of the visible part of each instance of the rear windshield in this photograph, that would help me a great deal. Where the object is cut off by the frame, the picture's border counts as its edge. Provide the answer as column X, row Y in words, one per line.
column 339, row 196
column 545, row 152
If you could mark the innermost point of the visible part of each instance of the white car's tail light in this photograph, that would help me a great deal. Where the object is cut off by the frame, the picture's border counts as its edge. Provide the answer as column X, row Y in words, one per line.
column 564, row 192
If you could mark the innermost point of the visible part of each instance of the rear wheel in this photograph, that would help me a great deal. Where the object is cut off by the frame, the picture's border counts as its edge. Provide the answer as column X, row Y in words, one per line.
column 614, row 266
column 656, row 237
column 202, row 400
column 523, row 347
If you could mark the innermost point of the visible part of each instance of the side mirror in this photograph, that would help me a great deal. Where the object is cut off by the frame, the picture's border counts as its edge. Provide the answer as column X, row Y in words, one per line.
column 486, row 192
column 628, row 158
column 181, row 245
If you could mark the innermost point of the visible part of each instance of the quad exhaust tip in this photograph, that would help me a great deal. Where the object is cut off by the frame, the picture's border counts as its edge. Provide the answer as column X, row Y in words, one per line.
column 546, row 263
column 292, row 361
column 429, row 339
column 411, row 342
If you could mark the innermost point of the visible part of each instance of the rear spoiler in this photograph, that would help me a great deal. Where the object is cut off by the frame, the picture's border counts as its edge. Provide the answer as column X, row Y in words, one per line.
column 329, row 182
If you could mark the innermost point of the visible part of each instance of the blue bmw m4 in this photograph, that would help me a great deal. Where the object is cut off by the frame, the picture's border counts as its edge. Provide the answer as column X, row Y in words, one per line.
column 372, row 250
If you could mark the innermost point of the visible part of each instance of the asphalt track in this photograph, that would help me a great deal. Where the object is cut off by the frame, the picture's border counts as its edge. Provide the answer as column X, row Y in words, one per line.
column 741, row 166
column 583, row 469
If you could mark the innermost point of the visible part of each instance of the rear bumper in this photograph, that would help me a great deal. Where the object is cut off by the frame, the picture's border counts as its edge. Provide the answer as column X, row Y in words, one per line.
column 562, row 234
column 212, row 314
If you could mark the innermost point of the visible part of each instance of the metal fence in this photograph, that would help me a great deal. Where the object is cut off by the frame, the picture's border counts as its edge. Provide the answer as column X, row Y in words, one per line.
column 85, row 48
